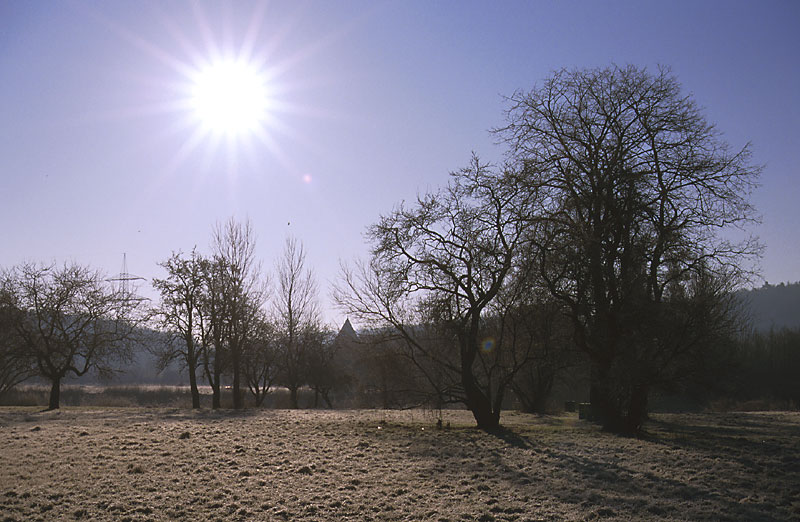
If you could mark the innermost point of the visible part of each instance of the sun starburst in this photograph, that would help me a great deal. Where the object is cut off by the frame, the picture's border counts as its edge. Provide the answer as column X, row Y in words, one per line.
column 230, row 97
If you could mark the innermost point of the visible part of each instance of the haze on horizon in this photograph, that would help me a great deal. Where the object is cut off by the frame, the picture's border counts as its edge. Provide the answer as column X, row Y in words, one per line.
column 112, row 140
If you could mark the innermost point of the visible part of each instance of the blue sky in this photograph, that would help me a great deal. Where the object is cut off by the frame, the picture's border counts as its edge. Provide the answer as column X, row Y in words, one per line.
column 373, row 102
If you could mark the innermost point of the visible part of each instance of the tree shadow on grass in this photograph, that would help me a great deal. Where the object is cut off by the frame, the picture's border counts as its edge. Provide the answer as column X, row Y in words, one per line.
column 510, row 437
column 730, row 435
column 622, row 489
column 601, row 475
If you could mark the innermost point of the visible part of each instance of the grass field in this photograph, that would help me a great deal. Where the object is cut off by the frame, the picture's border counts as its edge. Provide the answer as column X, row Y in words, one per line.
column 176, row 464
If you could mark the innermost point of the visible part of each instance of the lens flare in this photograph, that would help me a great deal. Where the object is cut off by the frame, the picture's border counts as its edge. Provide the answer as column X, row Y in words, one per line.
column 487, row 345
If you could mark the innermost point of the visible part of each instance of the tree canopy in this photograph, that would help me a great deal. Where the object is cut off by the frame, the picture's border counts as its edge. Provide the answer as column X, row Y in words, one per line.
column 635, row 190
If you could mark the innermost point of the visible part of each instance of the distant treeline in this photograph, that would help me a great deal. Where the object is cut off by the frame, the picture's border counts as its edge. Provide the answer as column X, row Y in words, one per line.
column 768, row 368
column 773, row 307
column 371, row 371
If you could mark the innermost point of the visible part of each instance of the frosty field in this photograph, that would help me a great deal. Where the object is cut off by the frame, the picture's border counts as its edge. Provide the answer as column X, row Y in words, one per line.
column 173, row 464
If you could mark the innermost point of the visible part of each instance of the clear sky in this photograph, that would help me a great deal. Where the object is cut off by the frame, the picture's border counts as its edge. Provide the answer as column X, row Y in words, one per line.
column 102, row 150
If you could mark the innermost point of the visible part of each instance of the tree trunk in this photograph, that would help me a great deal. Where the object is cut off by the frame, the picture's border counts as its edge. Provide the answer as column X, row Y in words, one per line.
column 604, row 409
column 624, row 414
column 487, row 419
column 216, row 387
column 293, row 397
column 193, row 387
column 534, row 393
column 216, row 394
column 479, row 405
column 259, row 396
column 327, row 399
column 237, row 392
column 236, row 361
column 543, row 391
column 637, row 410
column 384, row 388
column 55, row 393
column 477, row 402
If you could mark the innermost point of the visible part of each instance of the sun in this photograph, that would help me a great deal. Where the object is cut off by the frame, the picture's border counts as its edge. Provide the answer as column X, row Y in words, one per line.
column 230, row 97
column 226, row 88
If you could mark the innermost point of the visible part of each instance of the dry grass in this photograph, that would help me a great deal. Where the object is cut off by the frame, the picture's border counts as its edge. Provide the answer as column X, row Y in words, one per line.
column 170, row 464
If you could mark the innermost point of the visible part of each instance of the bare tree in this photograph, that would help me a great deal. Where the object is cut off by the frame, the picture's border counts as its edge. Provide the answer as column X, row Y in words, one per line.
column 296, row 316
column 388, row 377
column 16, row 364
column 71, row 321
column 243, row 291
column 260, row 360
column 633, row 188
column 214, row 328
column 436, row 271
column 180, row 313
column 543, row 334
column 323, row 370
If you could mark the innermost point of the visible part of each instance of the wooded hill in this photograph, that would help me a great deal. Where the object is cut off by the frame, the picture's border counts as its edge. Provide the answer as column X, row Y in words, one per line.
column 773, row 306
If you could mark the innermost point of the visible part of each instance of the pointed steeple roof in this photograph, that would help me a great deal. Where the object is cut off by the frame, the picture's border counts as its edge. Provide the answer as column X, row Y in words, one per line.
column 346, row 332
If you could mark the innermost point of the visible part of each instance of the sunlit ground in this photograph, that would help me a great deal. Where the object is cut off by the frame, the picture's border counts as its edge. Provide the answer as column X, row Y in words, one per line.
column 175, row 464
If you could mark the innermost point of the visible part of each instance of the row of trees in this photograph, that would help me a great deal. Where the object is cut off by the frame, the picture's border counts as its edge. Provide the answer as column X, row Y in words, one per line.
column 609, row 214
column 768, row 364
column 216, row 317
column 224, row 321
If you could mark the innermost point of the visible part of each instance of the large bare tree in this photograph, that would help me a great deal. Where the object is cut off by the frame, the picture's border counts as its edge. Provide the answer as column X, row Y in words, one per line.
column 214, row 328
column 436, row 272
column 181, row 315
column 634, row 191
column 243, row 292
column 296, row 316
column 71, row 321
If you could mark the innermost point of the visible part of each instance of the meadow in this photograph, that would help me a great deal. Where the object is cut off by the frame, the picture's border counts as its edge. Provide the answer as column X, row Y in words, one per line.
column 101, row 463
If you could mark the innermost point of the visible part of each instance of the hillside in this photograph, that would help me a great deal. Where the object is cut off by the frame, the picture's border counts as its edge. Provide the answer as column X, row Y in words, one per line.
column 774, row 306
